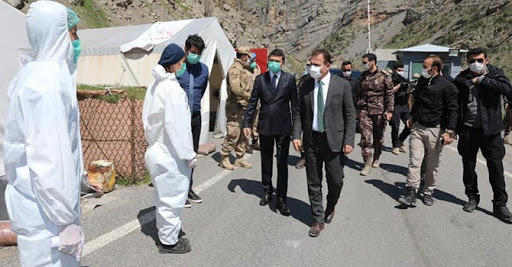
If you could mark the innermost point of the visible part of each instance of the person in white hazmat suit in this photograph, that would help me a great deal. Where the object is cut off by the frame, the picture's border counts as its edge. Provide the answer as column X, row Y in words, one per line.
column 170, row 156
column 42, row 147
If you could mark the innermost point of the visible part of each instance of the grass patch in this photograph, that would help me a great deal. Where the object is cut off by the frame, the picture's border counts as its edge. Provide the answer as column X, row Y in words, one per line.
column 182, row 6
column 136, row 93
column 92, row 14
column 134, row 180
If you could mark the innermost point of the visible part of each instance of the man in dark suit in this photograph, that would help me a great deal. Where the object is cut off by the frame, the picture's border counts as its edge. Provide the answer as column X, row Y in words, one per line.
column 328, row 121
column 277, row 92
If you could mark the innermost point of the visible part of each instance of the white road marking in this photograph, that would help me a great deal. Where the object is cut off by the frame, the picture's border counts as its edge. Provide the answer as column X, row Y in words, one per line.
column 135, row 224
column 479, row 160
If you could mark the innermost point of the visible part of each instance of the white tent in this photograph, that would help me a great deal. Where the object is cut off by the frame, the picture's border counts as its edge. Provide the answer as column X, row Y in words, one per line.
column 125, row 56
column 12, row 27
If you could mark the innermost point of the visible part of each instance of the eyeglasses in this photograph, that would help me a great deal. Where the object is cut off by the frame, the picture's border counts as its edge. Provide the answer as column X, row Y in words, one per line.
column 479, row 60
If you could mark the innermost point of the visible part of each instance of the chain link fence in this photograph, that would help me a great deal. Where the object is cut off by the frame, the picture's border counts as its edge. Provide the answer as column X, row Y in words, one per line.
column 112, row 129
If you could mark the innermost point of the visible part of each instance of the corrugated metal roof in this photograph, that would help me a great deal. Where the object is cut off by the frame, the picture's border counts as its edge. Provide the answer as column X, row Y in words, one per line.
column 427, row 48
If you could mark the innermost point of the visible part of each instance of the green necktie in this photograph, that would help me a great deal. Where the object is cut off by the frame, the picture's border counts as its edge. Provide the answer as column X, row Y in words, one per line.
column 320, row 108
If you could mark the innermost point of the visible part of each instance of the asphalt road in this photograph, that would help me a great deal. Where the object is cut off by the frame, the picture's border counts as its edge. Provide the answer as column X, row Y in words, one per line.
column 230, row 228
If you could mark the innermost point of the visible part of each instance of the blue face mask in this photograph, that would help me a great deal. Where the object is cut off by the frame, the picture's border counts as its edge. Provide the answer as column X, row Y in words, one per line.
column 182, row 70
column 274, row 67
column 252, row 65
column 193, row 58
column 77, row 48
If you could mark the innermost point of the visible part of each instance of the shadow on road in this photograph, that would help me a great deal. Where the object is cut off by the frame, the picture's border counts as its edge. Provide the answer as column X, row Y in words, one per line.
column 299, row 210
column 148, row 223
column 216, row 156
column 355, row 165
column 394, row 168
column 292, row 160
column 394, row 192
column 148, row 228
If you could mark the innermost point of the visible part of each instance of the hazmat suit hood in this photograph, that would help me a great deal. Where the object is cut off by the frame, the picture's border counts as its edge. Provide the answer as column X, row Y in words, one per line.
column 47, row 30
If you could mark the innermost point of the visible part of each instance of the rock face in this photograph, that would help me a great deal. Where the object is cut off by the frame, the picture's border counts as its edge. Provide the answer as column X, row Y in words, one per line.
column 299, row 26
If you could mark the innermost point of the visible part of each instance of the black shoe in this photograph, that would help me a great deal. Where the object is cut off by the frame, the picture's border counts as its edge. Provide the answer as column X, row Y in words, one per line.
column 187, row 204
column 183, row 246
column 192, row 196
column 248, row 149
column 265, row 199
column 410, row 198
column 329, row 217
column 471, row 205
column 428, row 200
column 282, row 207
column 503, row 214
column 301, row 163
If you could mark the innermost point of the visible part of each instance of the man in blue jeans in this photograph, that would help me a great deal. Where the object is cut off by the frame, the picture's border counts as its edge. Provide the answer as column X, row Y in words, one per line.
column 194, row 82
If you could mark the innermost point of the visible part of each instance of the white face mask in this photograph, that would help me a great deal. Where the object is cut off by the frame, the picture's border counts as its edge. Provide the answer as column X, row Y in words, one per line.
column 347, row 73
column 367, row 66
column 424, row 73
column 477, row 67
column 315, row 72
column 401, row 73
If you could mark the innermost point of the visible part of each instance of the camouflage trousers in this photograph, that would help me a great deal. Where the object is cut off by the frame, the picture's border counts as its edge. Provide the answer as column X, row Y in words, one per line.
column 255, row 121
column 372, row 134
column 235, row 138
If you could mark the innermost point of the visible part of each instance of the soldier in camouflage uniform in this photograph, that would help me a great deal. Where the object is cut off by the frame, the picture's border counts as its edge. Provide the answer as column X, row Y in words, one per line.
column 374, row 107
column 240, row 81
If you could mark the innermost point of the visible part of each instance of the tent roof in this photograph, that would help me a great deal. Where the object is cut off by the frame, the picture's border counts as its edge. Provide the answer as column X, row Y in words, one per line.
column 427, row 48
column 107, row 41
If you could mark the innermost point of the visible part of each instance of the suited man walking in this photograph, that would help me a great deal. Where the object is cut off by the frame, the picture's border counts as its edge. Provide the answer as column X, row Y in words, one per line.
column 328, row 122
column 277, row 92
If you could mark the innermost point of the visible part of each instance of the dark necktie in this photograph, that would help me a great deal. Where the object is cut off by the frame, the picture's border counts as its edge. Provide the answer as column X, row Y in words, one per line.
column 320, row 108
column 274, row 82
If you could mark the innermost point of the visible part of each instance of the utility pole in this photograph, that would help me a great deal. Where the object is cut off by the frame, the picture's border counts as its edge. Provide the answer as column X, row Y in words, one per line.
column 369, row 33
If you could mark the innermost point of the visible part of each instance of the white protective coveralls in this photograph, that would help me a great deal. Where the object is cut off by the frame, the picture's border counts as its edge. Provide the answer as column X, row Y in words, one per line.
column 42, row 147
column 166, row 118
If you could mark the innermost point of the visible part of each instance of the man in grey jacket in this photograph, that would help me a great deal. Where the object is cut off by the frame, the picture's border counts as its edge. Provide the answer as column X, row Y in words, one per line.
column 327, row 118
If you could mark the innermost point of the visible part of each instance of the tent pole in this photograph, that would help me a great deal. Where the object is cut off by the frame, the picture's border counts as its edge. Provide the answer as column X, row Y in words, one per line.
column 130, row 72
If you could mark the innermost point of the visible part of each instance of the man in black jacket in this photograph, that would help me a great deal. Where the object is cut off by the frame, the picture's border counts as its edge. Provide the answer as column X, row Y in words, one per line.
column 401, row 111
column 433, row 120
column 277, row 92
column 480, row 125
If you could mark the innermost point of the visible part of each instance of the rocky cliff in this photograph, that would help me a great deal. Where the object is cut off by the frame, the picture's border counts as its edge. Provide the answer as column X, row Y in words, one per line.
column 299, row 26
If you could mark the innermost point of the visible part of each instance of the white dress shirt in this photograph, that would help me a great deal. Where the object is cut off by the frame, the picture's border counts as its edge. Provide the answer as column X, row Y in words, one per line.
column 325, row 88
column 272, row 77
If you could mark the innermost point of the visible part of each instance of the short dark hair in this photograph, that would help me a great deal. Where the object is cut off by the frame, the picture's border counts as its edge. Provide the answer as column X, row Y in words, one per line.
column 398, row 65
column 277, row 53
column 345, row 63
column 370, row 56
column 476, row 51
column 324, row 53
column 437, row 62
column 195, row 40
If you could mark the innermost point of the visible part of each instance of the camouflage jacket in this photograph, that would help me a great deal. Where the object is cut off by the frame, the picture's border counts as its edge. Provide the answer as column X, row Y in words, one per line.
column 375, row 93
column 240, row 82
